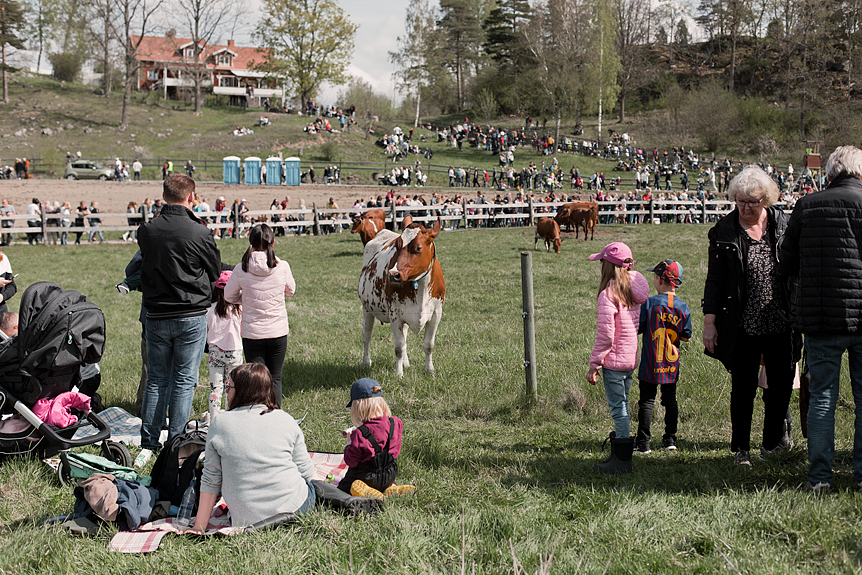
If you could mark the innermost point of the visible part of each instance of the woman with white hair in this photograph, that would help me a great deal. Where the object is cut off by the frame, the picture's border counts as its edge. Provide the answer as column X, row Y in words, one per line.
column 744, row 305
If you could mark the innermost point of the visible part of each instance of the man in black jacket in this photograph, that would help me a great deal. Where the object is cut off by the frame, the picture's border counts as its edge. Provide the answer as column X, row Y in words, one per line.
column 823, row 248
column 180, row 261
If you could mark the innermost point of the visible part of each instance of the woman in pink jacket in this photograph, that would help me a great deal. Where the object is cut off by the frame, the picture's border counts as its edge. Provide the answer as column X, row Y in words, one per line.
column 260, row 283
column 621, row 293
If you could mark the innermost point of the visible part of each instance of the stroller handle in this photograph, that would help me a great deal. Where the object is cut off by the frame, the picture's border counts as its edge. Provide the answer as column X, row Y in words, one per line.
column 47, row 431
column 104, row 432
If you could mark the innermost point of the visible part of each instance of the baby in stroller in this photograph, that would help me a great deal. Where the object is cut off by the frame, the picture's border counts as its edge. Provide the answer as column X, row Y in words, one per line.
column 59, row 331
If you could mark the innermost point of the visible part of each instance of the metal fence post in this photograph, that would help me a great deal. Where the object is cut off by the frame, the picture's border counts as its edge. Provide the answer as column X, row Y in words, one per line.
column 529, row 325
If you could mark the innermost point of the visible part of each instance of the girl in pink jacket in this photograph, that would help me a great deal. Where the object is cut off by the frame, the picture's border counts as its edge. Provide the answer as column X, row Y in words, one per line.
column 621, row 293
column 260, row 283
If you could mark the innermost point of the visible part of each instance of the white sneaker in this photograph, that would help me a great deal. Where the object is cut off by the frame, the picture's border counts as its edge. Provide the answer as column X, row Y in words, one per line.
column 143, row 457
column 820, row 489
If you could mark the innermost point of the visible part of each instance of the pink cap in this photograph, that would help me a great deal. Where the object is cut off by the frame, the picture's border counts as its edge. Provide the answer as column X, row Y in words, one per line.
column 222, row 279
column 616, row 253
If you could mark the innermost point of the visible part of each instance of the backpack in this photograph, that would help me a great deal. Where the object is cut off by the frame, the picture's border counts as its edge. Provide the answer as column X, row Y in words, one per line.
column 177, row 464
column 385, row 466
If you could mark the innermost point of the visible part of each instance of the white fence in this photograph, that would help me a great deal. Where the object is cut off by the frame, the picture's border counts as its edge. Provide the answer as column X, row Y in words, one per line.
column 49, row 227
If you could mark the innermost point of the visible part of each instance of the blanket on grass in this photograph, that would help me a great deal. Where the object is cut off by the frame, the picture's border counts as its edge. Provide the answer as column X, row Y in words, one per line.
column 148, row 536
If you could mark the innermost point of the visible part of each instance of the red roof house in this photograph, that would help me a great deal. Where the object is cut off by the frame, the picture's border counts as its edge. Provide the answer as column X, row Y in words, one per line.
column 168, row 64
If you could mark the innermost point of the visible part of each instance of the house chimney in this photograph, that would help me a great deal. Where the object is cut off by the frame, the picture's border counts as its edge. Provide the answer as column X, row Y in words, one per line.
column 230, row 44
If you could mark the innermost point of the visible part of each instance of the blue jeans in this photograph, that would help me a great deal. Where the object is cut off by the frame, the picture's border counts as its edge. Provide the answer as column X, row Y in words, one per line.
column 309, row 501
column 175, row 348
column 824, row 365
column 617, row 386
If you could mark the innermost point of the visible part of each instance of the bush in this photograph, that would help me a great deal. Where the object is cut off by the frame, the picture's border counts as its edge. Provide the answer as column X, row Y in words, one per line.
column 329, row 151
column 66, row 65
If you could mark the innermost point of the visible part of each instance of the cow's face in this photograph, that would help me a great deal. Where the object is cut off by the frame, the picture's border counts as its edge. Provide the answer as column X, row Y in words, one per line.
column 415, row 252
column 557, row 242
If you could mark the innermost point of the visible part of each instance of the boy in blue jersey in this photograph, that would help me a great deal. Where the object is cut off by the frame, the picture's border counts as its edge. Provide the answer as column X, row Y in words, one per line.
column 665, row 321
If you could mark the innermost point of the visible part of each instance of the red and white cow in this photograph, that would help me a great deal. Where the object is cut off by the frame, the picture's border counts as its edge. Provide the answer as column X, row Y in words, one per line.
column 402, row 284
column 369, row 224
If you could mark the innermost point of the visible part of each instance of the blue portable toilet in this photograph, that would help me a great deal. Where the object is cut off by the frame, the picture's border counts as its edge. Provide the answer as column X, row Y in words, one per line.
column 252, row 171
column 291, row 171
column 230, row 172
column 273, row 171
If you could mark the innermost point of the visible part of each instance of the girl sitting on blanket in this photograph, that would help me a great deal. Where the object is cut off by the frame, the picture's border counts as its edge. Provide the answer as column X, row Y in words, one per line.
column 255, row 455
column 374, row 444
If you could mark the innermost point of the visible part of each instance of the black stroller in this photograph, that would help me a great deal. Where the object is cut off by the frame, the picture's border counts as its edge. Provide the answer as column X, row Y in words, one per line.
column 58, row 331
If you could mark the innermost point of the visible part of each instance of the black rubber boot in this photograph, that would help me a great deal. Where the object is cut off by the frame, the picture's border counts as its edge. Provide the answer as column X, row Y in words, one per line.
column 621, row 457
column 611, row 437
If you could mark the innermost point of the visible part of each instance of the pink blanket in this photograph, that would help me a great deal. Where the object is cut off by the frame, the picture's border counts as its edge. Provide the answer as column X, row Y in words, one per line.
column 58, row 410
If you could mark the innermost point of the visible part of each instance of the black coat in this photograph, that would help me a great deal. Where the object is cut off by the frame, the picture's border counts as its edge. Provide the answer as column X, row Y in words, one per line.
column 823, row 248
column 180, row 263
column 725, row 292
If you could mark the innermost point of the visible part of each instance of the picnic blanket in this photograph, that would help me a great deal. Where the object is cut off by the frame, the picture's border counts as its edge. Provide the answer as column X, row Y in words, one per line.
column 148, row 536
column 125, row 427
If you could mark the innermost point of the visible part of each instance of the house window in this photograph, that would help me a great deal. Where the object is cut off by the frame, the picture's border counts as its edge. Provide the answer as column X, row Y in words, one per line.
column 227, row 82
column 190, row 53
column 152, row 75
column 224, row 59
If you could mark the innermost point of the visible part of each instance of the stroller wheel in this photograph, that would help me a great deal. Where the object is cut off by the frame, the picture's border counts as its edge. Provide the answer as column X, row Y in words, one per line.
column 117, row 453
column 64, row 472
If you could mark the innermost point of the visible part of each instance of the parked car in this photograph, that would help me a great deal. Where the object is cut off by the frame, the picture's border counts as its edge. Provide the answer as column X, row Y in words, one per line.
column 87, row 170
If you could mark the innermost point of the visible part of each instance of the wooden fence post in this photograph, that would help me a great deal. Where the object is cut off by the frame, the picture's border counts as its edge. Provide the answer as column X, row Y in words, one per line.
column 236, row 223
column 651, row 210
column 316, row 218
column 44, row 219
column 529, row 326
column 464, row 212
column 394, row 215
column 703, row 210
column 530, row 201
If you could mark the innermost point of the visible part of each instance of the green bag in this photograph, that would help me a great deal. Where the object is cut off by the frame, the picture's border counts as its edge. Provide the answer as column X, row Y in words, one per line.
column 83, row 465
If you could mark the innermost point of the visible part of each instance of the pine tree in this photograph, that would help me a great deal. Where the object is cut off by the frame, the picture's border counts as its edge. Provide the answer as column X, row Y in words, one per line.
column 11, row 24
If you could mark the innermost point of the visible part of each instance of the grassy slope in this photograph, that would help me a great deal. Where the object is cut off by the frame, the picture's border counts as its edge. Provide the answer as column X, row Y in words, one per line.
column 39, row 102
column 495, row 477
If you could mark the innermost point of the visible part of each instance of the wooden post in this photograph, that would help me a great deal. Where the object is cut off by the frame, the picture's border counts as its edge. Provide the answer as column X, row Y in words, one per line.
column 529, row 326
column 651, row 210
column 236, row 234
column 44, row 219
column 394, row 215
column 703, row 210
column 316, row 219
column 464, row 212
column 530, row 201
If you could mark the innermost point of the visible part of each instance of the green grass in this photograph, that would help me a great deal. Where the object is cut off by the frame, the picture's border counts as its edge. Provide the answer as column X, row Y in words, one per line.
column 497, row 478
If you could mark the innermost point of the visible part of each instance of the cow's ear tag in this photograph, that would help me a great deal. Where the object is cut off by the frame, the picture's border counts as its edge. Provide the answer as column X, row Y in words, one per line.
column 415, row 284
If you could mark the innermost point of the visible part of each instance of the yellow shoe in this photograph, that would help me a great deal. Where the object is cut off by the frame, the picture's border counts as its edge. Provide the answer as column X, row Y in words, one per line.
column 361, row 489
column 399, row 490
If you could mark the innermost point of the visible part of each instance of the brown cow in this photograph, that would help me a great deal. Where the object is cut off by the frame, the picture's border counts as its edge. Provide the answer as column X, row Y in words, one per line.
column 369, row 224
column 548, row 229
column 577, row 214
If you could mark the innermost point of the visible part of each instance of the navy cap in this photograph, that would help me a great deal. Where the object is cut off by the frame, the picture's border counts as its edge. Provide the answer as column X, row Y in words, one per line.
column 363, row 389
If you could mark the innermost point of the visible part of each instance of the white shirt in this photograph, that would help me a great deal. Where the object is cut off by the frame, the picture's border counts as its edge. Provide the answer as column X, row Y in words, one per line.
column 137, row 166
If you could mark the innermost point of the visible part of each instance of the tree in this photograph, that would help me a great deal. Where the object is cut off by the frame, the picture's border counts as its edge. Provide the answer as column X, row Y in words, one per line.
column 102, row 32
column 203, row 22
column 11, row 24
column 136, row 17
column 416, row 56
column 305, row 42
column 506, row 45
column 630, row 45
column 461, row 23
column 682, row 37
column 41, row 27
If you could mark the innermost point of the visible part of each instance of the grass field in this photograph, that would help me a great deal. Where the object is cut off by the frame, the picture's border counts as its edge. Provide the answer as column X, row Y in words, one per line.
column 503, row 486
